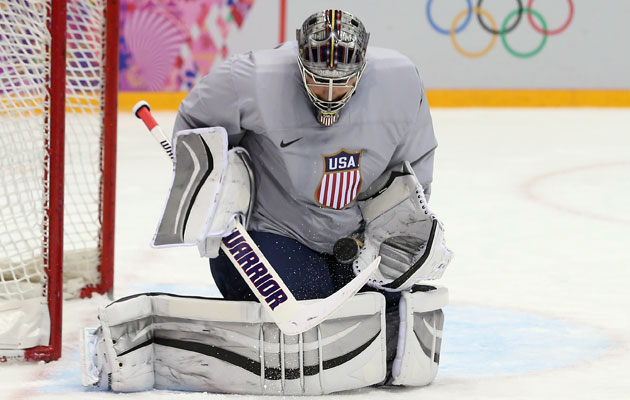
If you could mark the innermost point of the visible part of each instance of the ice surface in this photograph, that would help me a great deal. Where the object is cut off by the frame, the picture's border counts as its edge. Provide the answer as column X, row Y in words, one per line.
column 536, row 207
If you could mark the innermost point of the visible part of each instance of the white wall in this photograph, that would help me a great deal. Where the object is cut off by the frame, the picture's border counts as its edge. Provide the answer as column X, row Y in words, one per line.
column 593, row 51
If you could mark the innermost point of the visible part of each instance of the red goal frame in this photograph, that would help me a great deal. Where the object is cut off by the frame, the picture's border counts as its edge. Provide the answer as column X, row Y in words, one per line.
column 54, row 179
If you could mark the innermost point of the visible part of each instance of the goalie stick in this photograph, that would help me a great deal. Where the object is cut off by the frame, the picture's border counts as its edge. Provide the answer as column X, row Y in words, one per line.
column 292, row 316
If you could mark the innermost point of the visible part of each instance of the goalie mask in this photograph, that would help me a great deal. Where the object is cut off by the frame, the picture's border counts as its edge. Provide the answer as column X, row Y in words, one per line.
column 332, row 46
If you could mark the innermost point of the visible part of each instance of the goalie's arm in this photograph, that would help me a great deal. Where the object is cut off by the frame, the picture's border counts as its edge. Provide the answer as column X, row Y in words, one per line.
column 222, row 98
column 419, row 144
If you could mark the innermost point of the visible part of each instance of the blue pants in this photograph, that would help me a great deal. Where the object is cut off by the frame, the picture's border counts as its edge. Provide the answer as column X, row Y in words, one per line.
column 307, row 273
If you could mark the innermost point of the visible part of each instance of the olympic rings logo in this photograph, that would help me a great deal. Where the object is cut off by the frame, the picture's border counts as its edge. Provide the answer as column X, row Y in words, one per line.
column 511, row 21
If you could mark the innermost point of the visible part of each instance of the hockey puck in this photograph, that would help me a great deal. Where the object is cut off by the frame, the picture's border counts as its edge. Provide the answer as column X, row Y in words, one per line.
column 346, row 250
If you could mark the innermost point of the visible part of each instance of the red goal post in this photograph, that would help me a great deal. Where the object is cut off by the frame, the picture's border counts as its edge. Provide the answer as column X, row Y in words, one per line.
column 58, row 113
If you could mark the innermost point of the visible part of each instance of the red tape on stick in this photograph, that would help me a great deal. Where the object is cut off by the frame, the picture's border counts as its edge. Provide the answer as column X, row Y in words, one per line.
column 144, row 114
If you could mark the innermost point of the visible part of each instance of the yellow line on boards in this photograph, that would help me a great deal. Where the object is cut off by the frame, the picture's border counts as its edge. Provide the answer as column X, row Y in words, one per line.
column 528, row 98
column 165, row 101
column 159, row 101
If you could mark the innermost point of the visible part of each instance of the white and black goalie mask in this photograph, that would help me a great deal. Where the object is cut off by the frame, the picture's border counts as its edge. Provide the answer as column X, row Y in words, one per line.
column 332, row 46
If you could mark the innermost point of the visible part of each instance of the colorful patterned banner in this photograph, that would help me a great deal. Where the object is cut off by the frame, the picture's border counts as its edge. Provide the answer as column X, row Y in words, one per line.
column 168, row 45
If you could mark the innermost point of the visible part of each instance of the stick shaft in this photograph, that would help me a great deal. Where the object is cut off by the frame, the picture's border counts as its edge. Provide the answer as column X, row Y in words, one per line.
column 144, row 113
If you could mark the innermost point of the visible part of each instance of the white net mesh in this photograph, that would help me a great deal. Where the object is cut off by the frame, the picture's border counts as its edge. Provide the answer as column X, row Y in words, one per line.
column 24, row 68
column 84, row 125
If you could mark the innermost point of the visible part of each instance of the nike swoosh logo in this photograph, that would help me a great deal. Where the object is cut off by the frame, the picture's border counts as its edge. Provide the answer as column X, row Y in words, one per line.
column 283, row 144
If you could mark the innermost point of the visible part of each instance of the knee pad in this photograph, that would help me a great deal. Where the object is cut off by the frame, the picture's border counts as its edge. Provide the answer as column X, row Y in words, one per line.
column 419, row 335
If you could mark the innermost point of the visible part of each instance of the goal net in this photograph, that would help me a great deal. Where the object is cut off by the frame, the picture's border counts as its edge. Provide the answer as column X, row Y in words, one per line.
column 51, row 199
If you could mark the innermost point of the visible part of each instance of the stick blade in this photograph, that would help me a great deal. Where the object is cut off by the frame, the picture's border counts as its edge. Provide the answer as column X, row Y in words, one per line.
column 310, row 313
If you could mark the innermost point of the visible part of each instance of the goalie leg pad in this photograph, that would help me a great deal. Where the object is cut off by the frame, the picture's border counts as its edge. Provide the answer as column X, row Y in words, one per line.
column 419, row 335
column 198, row 344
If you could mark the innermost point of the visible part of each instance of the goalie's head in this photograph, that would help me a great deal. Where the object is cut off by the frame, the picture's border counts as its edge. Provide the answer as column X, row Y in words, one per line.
column 332, row 46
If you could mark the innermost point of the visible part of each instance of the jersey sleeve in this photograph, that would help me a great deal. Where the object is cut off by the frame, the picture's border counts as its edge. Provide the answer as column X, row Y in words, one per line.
column 418, row 145
column 215, row 100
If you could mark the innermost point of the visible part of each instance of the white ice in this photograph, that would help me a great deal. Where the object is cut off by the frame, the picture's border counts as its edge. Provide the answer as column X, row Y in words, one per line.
column 536, row 204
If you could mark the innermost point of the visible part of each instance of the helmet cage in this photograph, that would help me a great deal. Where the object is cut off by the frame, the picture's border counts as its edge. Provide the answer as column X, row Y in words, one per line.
column 332, row 46
column 330, row 104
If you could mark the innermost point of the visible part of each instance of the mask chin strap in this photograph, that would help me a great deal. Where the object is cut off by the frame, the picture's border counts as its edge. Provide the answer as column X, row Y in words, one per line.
column 327, row 119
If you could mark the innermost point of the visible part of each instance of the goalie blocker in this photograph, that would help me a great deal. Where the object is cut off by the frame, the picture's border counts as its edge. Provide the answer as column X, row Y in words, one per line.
column 212, row 187
column 163, row 341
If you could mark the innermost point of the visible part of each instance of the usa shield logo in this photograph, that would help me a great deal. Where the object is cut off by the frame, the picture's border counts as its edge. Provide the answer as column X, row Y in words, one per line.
column 341, row 179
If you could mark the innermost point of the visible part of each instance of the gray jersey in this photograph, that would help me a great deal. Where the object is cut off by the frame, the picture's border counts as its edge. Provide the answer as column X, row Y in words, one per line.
column 308, row 176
